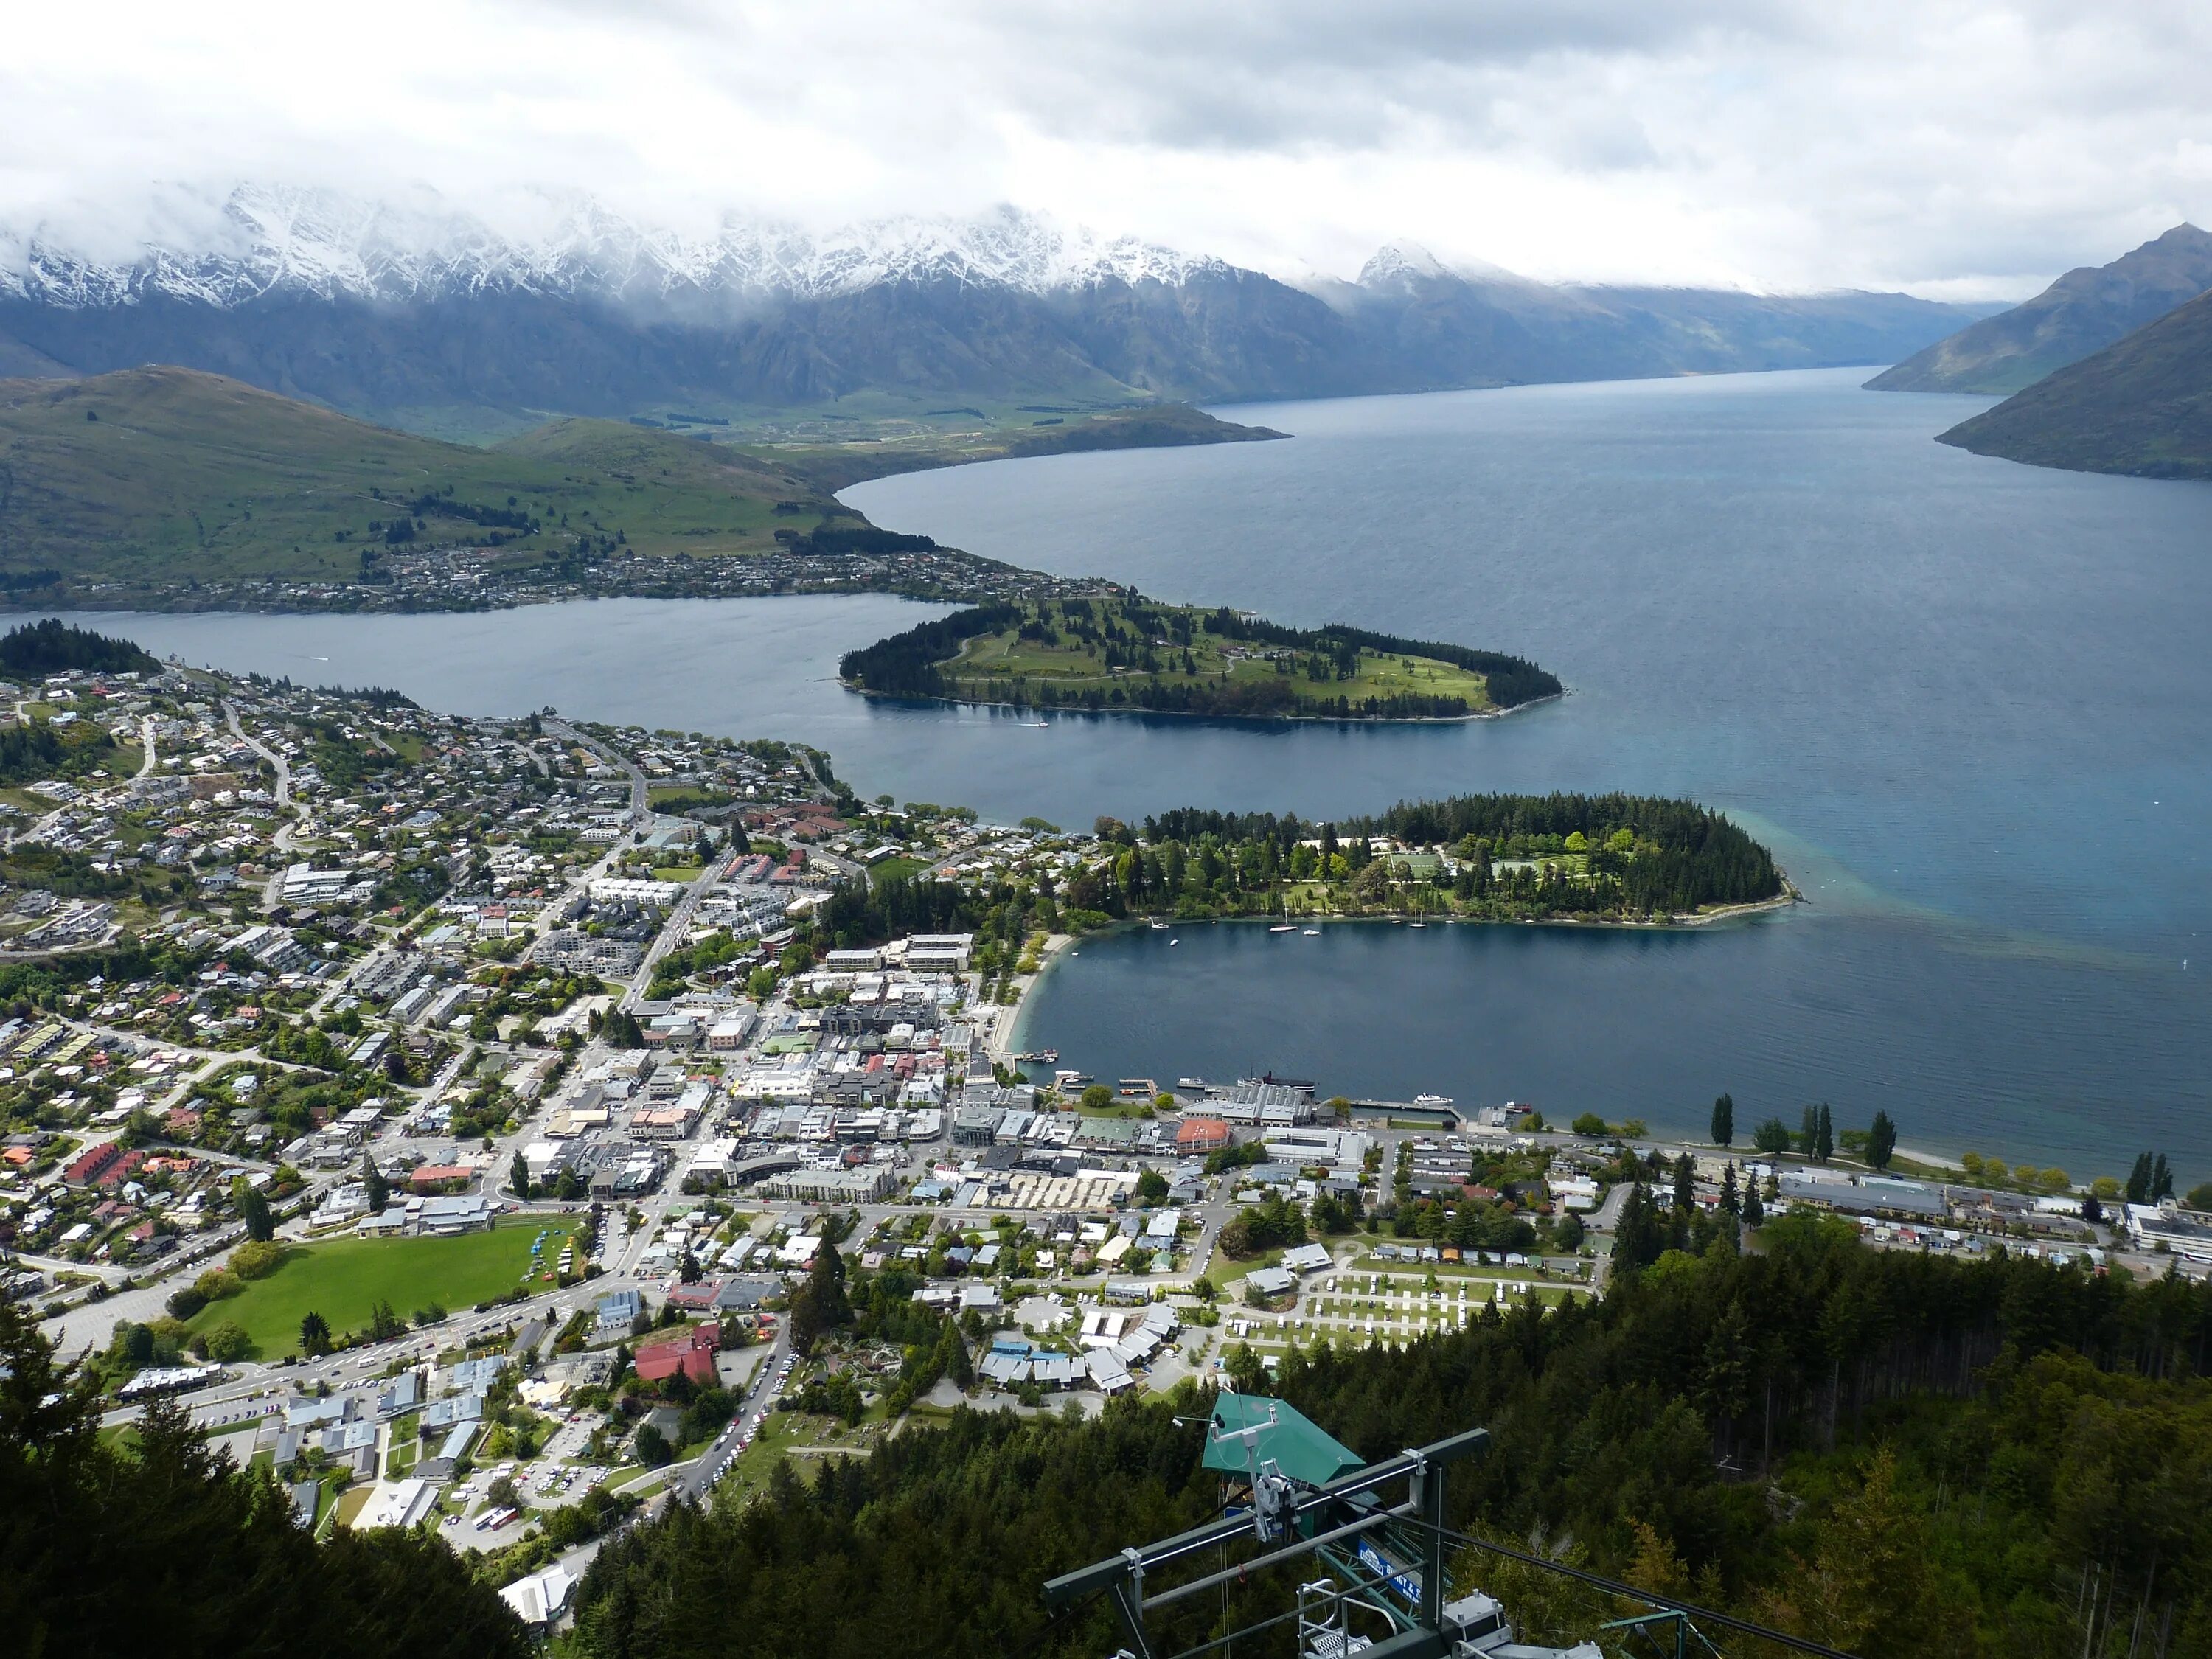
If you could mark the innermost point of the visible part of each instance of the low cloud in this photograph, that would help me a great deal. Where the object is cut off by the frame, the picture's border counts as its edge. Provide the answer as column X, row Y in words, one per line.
column 1960, row 147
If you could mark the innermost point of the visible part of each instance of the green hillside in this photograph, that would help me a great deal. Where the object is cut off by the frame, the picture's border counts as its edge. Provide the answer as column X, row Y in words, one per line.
column 2143, row 406
column 2083, row 311
column 167, row 475
column 1152, row 425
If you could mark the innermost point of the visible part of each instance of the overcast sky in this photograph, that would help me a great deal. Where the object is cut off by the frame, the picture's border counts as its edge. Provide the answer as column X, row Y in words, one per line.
column 1966, row 149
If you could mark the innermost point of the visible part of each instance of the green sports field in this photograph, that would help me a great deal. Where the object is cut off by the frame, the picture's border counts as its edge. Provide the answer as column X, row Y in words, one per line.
column 344, row 1280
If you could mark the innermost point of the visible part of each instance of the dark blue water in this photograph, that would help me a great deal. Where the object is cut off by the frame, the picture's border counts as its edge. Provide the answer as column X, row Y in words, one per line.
column 1965, row 700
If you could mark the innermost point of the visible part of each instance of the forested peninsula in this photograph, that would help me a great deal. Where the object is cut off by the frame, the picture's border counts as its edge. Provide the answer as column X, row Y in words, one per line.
column 1118, row 650
column 1476, row 857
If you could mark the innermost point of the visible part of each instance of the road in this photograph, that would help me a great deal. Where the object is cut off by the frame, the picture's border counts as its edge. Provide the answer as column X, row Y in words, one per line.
column 277, row 763
column 676, row 929
column 288, row 832
column 707, row 1466
column 638, row 811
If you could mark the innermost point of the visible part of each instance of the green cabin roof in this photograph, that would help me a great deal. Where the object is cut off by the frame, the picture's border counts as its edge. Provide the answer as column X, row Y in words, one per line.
column 1293, row 1443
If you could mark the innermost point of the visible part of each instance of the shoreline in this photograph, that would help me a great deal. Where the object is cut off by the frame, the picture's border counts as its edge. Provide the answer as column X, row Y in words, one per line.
column 1058, row 945
column 1189, row 714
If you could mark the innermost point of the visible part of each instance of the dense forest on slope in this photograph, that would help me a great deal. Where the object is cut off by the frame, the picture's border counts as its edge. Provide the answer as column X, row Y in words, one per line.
column 1898, row 1454
column 52, row 645
column 166, row 1548
column 1120, row 651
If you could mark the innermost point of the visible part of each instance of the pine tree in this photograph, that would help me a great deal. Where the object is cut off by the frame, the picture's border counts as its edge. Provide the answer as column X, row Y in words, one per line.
column 2161, row 1181
column 518, row 1175
column 2139, row 1180
column 1731, row 1199
column 1881, row 1141
column 952, row 1357
column 253, row 1210
column 1754, row 1212
column 1824, row 1136
column 373, row 1186
column 1724, row 1122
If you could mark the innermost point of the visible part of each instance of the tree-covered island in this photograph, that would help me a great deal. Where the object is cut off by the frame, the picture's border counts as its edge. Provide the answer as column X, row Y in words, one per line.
column 1120, row 651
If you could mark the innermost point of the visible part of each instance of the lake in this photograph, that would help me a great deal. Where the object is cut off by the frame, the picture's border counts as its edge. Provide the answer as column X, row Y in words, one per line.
column 1965, row 701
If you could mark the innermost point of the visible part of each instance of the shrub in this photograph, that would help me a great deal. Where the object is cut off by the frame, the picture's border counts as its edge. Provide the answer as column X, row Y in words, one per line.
column 183, row 1303
column 227, row 1343
column 217, row 1283
column 256, row 1258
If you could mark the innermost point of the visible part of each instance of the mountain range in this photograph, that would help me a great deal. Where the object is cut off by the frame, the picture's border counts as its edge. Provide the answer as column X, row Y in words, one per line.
column 2083, row 311
column 397, row 312
column 2143, row 405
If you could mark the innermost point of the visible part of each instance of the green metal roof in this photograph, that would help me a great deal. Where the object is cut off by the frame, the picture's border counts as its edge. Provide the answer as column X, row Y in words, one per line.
column 1293, row 1443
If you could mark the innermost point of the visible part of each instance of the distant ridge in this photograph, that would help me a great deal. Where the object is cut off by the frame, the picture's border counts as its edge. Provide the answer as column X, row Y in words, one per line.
column 2141, row 406
column 2083, row 311
column 396, row 313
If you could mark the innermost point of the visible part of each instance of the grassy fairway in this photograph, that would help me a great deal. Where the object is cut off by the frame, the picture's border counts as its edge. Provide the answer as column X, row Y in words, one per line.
column 344, row 1280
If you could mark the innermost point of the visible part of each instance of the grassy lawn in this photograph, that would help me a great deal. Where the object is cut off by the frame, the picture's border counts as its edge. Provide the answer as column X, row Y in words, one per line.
column 345, row 1279
column 899, row 865
column 1062, row 654
column 684, row 872
column 1224, row 1272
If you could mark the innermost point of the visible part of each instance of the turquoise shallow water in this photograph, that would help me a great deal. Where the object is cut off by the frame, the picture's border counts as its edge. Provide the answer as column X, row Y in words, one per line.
column 1966, row 701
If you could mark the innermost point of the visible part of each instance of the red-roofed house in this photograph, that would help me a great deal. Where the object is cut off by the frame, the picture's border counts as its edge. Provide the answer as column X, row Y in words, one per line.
column 690, row 1351
column 92, row 1163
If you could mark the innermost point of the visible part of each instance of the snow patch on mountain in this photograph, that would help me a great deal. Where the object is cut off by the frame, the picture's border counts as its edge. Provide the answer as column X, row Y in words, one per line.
column 259, row 240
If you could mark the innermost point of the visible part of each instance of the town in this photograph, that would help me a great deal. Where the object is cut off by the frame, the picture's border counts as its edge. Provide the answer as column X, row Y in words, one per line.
column 517, row 1126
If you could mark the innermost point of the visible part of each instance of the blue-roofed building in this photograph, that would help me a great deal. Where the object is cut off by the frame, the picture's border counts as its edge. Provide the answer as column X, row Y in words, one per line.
column 617, row 1311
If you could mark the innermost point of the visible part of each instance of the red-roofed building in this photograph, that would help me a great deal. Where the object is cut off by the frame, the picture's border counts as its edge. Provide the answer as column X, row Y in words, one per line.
column 691, row 1352
column 431, row 1177
column 92, row 1163
column 1201, row 1134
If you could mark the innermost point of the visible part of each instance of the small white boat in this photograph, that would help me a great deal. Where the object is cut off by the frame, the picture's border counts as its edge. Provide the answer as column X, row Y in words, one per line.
column 1175, row 941
column 1313, row 933
column 1283, row 927
column 1159, row 927
column 1417, row 924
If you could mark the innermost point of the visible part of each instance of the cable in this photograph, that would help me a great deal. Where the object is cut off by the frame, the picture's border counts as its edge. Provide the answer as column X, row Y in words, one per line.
column 1666, row 1603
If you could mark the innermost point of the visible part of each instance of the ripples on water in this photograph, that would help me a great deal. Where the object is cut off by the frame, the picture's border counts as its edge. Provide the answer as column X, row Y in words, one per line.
column 1966, row 701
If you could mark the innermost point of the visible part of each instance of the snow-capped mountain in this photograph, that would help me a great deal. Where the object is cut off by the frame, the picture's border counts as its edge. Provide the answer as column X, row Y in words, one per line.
column 261, row 240
column 401, row 307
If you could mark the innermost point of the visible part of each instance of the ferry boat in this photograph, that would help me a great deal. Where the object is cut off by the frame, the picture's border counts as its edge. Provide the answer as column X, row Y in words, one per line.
column 1432, row 1101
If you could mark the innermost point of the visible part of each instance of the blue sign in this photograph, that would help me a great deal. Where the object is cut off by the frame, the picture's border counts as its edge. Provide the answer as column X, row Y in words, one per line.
column 1404, row 1584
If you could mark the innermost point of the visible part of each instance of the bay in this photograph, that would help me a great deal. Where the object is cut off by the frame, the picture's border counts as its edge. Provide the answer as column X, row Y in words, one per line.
column 1966, row 701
